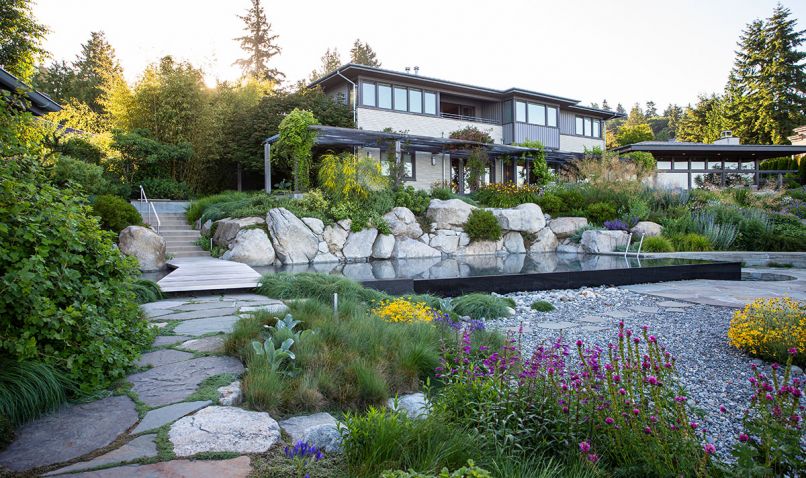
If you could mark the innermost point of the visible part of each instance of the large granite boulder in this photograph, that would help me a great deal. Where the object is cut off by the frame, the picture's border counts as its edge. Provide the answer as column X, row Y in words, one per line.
column 402, row 222
column 448, row 214
column 415, row 405
column 251, row 247
column 224, row 429
column 320, row 430
column 445, row 240
column 569, row 247
column 335, row 235
column 315, row 225
column 145, row 245
column 294, row 242
column 482, row 248
column 227, row 229
column 204, row 228
column 596, row 242
column 647, row 229
column 513, row 242
column 545, row 241
column 525, row 217
column 408, row 248
column 358, row 246
column 563, row 227
column 383, row 246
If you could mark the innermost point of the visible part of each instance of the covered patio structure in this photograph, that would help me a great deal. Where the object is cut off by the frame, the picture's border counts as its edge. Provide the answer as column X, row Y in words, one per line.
column 432, row 159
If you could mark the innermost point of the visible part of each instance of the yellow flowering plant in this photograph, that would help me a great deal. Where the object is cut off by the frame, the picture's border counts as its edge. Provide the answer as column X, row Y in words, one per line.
column 769, row 328
column 402, row 310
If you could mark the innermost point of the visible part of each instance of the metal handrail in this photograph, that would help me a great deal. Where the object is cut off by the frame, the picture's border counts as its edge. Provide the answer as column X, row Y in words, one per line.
column 149, row 209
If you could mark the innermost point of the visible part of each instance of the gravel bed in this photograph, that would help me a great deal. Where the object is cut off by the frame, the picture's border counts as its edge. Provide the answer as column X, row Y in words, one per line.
column 713, row 373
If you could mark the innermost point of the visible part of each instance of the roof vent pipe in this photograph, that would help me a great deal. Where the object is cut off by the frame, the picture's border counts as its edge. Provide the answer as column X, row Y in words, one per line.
column 408, row 70
column 417, row 70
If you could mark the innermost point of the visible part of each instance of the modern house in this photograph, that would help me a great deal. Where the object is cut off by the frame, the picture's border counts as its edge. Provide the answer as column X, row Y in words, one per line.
column 418, row 114
column 724, row 162
column 26, row 97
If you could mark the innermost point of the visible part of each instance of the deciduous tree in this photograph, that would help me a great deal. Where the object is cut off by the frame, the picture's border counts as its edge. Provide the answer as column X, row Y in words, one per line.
column 331, row 60
column 21, row 38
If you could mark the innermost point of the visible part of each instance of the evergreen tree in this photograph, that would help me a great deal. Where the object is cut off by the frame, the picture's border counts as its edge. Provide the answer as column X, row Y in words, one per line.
column 259, row 45
column 605, row 106
column 95, row 66
column 673, row 113
column 651, row 110
column 704, row 122
column 620, row 109
column 636, row 116
column 56, row 80
column 20, row 38
column 331, row 61
column 363, row 54
column 595, row 105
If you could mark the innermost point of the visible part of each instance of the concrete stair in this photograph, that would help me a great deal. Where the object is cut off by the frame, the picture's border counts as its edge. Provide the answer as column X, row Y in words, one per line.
column 180, row 238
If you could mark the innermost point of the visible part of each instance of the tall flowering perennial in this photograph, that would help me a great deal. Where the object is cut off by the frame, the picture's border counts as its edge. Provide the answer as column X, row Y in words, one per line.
column 402, row 310
column 507, row 194
column 774, row 434
column 768, row 328
column 303, row 454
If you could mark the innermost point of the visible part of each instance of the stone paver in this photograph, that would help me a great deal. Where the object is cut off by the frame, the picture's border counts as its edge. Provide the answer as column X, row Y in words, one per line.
column 189, row 307
column 592, row 328
column 234, row 468
column 620, row 314
column 200, row 314
column 160, row 416
column 207, row 326
column 72, row 431
column 674, row 304
column 141, row 447
column 674, row 310
column 557, row 325
column 163, row 357
column 212, row 344
column 645, row 309
column 175, row 382
column 592, row 319
column 224, row 429
column 163, row 340
column 319, row 429
column 274, row 308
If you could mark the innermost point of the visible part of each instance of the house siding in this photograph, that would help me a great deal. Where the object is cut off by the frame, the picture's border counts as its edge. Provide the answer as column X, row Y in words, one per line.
column 425, row 173
column 577, row 144
column 376, row 120
column 550, row 137
column 567, row 122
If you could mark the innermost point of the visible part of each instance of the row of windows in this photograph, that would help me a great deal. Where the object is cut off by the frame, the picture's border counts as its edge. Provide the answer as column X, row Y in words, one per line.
column 534, row 113
column 398, row 98
column 586, row 126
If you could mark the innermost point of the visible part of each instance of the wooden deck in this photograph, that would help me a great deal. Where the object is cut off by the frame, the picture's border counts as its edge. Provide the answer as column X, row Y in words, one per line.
column 207, row 274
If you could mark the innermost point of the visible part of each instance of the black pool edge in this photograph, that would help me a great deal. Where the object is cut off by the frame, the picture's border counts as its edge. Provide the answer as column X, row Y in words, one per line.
column 507, row 283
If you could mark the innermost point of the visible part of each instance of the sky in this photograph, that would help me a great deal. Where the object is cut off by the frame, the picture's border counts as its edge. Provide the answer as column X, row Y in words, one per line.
column 625, row 51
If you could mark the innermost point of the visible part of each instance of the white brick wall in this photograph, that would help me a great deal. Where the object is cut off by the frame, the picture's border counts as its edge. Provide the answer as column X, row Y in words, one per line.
column 377, row 120
column 577, row 144
column 426, row 174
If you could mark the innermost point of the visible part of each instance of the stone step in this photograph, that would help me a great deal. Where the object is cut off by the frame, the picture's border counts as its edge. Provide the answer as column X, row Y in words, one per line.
column 172, row 231
column 199, row 253
column 187, row 247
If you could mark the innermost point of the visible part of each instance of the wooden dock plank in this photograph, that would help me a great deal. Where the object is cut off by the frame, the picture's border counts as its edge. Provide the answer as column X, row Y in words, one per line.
column 208, row 273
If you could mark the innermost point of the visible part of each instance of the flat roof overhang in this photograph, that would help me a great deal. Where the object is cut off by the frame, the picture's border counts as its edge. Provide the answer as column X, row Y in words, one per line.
column 741, row 152
column 334, row 136
column 38, row 103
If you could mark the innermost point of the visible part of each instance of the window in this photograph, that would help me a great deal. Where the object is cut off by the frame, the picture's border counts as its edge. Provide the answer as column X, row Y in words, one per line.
column 537, row 114
column 580, row 129
column 368, row 94
column 596, row 129
column 401, row 103
column 551, row 116
column 416, row 101
column 698, row 165
column 520, row 111
column 385, row 96
column 408, row 164
column 590, row 127
column 430, row 103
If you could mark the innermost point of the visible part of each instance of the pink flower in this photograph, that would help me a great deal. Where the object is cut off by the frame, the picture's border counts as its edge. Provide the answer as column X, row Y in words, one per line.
column 652, row 380
column 793, row 351
column 635, row 411
column 680, row 399
column 722, row 409
column 710, row 449
column 653, row 339
column 579, row 343
column 647, row 430
column 743, row 437
column 593, row 457
column 616, row 378
column 653, row 419
column 609, row 421
column 694, row 425
column 584, row 446
column 621, row 391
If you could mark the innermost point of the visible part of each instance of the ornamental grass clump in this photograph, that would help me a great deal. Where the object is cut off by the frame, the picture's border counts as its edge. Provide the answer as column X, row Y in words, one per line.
column 769, row 328
column 482, row 306
column 507, row 195
column 402, row 310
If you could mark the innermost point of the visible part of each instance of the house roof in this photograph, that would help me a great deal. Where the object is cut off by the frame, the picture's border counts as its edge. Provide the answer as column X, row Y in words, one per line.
column 733, row 151
column 337, row 136
column 353, row 71
column 38, row 103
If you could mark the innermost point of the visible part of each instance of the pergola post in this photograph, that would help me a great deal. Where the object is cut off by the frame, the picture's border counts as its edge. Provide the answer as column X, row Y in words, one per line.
column 267, row 167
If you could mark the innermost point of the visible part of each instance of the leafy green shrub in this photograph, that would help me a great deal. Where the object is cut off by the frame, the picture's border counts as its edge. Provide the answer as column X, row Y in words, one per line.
column 29, row 389
column 146, row 291
column 600, row 212
column 441, row 192
column 469, row 471
column 67, row 291
column 382, row 439
column 482, row 306
column 507, row 194
column 81, row 149
column 320, row 287
column 542, row 306
column 644, row 160
column 482, row 225
column 164, row 188
column 692, row 242
column 89, row 177
column 198, row 206
column 657, row 244
column 551, row 203
column 721, row 235
column 416, row 200
column 314, row 200
column 115, row 213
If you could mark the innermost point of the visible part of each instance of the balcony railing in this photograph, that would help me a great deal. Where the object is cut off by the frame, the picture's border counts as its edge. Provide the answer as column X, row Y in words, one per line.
column 473, row 119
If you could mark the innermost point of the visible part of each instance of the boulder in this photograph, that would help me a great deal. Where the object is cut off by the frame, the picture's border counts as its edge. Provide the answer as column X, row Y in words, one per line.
column 145, row 245
column 230, row 395
column 414, row 405
column 527, row 217
column 294, row 243
column 595, row 242
column 563, row 227
column 325, row 257
column 513, row 243
column 445, row 240
column 227, row 229
column 402, row 222
column 315, row 225
column 482, row 248
column 647, row 229
column 545, row 241
column 448, row 214
column 383, row 246
column 568, row 247
column 224, row 429
column 204, row 230
column 251, row 247
column 408, row 248
column 335, row 236
column 358, row 246
column 320, row 430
